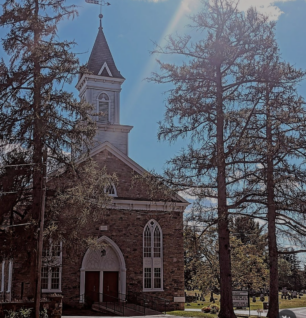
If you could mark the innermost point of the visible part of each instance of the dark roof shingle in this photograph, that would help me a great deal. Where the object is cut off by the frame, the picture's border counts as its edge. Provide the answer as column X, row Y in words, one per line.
column 100, row 54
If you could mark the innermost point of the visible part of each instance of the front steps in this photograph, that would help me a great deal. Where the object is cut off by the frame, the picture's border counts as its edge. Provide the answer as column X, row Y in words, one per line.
column 123, row 309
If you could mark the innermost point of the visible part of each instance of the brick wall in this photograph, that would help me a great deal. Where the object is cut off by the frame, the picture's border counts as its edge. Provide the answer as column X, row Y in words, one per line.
column 125, row 228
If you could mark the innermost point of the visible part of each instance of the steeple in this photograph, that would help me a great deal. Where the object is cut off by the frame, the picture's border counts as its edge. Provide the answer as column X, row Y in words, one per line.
column 101, row 61
column 101, row 87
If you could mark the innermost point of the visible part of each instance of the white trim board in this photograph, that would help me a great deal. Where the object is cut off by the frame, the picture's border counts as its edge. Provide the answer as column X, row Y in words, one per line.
column 107, row 69
column 148, row 205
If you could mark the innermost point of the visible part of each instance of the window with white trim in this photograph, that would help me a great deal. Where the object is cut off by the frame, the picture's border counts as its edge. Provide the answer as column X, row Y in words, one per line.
column 51, row 271
column 6, row 271
column 152, row 257
column 103, row 108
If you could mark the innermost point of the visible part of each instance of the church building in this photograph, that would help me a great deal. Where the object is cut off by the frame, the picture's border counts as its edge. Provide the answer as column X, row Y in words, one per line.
column 144, row 254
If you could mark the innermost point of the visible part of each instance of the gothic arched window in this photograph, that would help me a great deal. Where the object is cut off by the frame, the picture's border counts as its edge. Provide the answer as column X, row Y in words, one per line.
column 103, row 108
column 152, row 257
column 110, row 189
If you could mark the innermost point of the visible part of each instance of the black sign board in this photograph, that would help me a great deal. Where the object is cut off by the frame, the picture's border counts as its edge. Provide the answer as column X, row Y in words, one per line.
column 240, row 298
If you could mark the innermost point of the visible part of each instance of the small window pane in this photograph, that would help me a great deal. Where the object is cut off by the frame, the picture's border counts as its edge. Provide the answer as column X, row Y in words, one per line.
column 46, row 249
column 157, row 244
column 147, row 278
column 44, row 278
column 56, row 249
column 55, row 277
column 157, row 278
column 147, row 242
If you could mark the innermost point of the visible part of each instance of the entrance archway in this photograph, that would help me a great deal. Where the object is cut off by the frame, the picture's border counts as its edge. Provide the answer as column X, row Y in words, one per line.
column 112, row 261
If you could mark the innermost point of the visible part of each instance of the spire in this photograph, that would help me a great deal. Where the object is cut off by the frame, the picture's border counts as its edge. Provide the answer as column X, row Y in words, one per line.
column 101, row 61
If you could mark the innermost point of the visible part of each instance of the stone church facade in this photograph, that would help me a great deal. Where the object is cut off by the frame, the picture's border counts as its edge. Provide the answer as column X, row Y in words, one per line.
column 144, row 251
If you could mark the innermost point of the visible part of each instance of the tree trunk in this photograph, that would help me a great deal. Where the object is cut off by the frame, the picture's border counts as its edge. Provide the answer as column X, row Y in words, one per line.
column 226, row 301
column 273, row 257
column 37, row 158
column 40, row 239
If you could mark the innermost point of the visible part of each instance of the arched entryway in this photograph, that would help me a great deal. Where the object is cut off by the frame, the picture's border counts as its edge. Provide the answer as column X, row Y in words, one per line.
column 101, row 273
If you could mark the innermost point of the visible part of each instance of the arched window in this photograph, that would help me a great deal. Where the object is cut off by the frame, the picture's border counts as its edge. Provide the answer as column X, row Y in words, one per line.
column 110, row 190
column 152, row 257
column 103, row 108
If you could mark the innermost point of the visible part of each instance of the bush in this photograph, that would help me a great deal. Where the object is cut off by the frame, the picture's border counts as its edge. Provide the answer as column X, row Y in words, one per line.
column 214, row 309
column 22, row 313
column 206, row 309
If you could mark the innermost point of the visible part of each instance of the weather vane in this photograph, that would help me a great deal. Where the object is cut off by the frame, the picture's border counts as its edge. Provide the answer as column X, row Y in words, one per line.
column 101, row 3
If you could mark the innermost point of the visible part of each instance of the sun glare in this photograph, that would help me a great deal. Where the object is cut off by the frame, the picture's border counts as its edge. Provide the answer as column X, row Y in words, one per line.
column 184, row 8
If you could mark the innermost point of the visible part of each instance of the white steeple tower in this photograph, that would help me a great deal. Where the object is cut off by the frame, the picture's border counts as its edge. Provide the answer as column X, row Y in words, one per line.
column 101, row 86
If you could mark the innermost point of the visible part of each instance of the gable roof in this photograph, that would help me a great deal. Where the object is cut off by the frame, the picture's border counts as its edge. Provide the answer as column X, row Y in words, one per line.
column 120, row 155
column 127, row 160
column 100, row 55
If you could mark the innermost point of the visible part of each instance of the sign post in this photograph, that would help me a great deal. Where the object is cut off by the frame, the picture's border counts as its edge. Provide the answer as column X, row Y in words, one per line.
column 241, row 298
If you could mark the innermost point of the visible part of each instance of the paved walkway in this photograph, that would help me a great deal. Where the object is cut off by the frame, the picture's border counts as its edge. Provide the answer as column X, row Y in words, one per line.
column 243, row 312
column 299, row 312
column 155, row 316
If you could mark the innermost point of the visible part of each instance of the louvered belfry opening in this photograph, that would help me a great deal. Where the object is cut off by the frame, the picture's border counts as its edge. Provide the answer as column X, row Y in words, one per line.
column 103, row 109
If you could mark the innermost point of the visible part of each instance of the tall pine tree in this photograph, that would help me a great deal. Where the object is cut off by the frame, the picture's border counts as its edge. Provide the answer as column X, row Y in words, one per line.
column 210, row 106
column 36, row 112
column 275, row 152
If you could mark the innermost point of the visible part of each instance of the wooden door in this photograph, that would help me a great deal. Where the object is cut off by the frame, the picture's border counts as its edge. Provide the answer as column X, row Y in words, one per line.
column 110, row 286
column 92, row 282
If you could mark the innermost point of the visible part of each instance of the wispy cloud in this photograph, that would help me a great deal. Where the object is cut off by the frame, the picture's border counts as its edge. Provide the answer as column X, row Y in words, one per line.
column 268, row 7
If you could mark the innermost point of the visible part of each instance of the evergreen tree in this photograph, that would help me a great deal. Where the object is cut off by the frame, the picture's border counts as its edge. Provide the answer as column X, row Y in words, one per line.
column 36, row 112
column 211, row 105
column 248, row 231
column 274, row 166
column 15, row 175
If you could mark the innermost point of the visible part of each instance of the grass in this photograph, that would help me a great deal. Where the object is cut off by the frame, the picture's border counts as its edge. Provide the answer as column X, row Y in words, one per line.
column 283, row 303
column 191, row 314
column 198, row 314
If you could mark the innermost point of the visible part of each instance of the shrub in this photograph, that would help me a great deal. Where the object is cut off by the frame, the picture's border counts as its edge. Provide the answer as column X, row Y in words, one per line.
column 11, row 314
column 206, row 309
column 21, row 313
column 215, row 308
column 25, row 312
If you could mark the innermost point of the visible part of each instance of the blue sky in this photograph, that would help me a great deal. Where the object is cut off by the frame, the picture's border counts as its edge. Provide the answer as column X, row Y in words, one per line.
column 131, row 27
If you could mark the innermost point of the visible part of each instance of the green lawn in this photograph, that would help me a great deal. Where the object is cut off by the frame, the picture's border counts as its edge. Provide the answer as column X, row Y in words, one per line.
column 190, row 314
column 197, row 314
column 283, row 303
